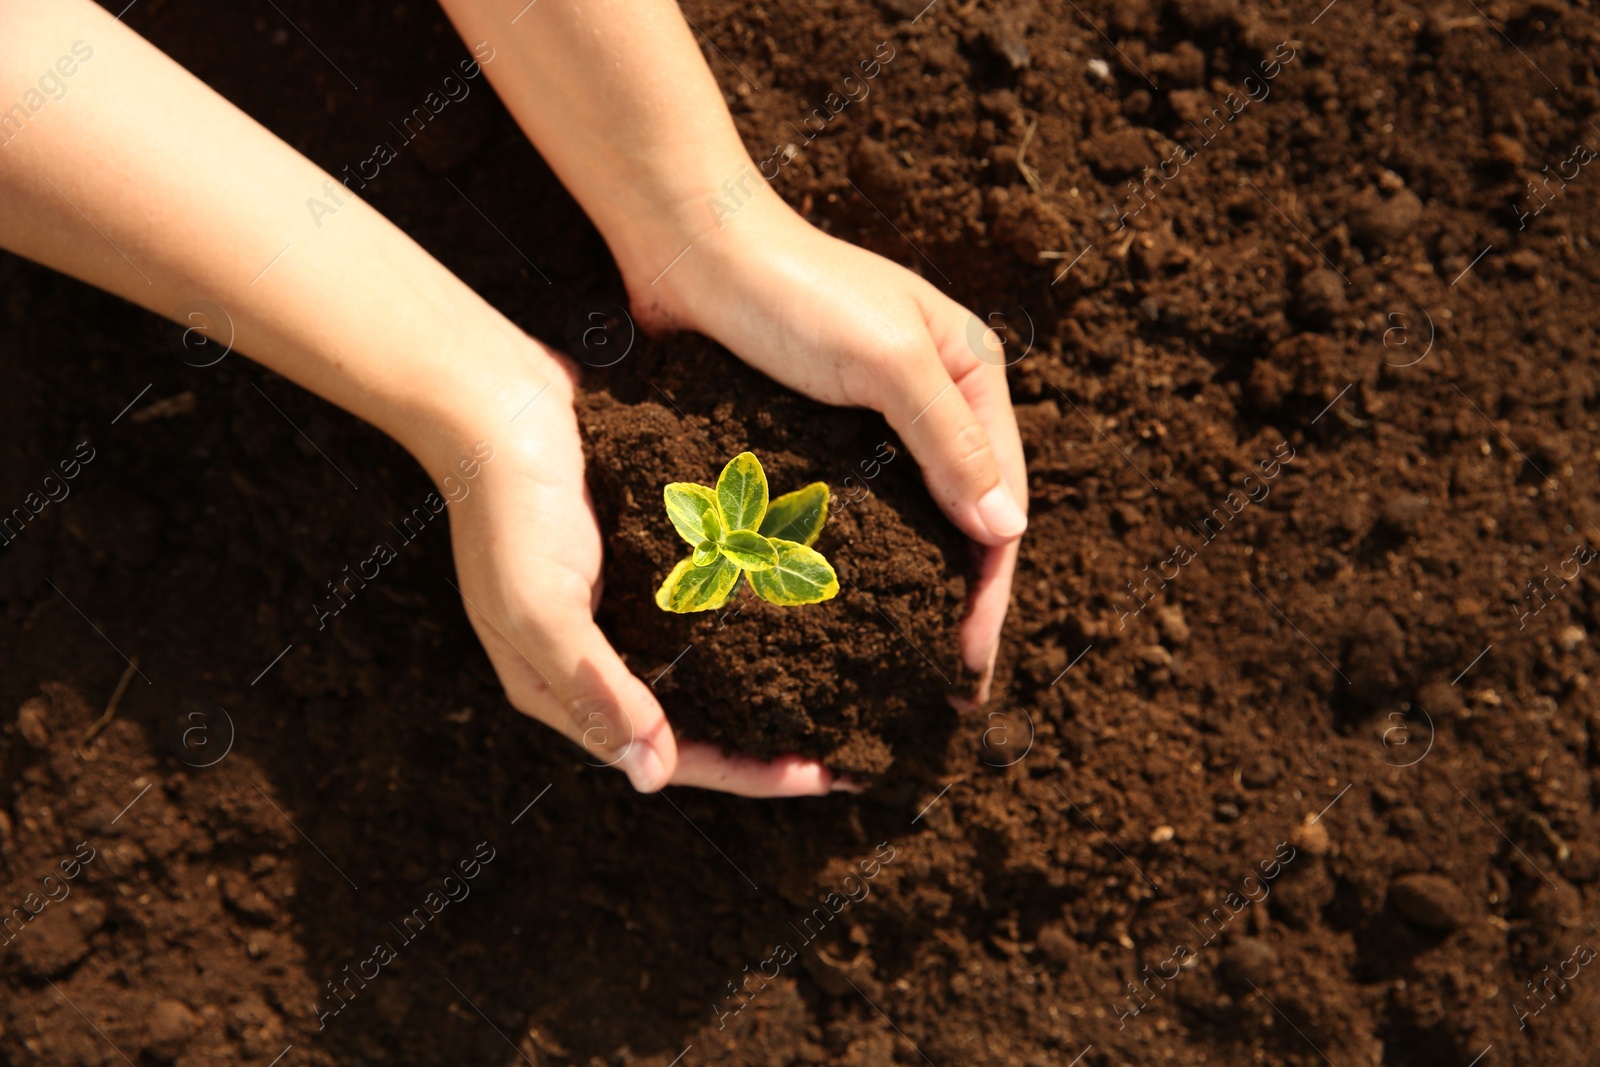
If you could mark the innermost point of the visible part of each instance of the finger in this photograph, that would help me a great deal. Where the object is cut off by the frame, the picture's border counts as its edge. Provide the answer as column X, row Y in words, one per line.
column 928, row 408
column 987, row 603
column 707, row 766
column 930, row 405
column 975, row 359
column 961, row 337
column 616, row 717
column 564, row 672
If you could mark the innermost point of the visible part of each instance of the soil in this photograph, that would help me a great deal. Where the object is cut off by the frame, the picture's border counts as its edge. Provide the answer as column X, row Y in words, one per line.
column 849, row 681
column 1295, row 770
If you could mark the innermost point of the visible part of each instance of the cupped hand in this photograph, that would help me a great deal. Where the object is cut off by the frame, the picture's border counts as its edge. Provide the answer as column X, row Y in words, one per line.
column 528, row 554
column 845, row 326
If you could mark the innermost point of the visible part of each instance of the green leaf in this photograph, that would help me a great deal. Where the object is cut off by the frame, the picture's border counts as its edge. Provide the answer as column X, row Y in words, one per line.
column 742, row 492
column 713, row 525
column 690, row 588
column 705, row 554
column 750, row 550
column 687, row 507
column 798, row 516
column 801, row 576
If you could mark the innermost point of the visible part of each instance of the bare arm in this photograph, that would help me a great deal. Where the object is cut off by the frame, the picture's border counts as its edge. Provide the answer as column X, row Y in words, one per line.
column 621, row 105
column 170, row 194
column 133, row 176
column 617, row 97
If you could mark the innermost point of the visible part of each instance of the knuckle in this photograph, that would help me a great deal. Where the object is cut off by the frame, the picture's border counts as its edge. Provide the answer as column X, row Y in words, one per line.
column 541, row 612
column 901, row 351
column 971, row 452
column 963, row 367
column 888, row 381
column 966, row 368
column 603, row 730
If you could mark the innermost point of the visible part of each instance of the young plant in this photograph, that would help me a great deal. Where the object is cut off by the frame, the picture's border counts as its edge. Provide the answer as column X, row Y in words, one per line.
column 734, row 531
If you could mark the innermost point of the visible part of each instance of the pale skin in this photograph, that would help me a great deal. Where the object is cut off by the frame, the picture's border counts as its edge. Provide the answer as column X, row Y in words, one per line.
column 169, row 194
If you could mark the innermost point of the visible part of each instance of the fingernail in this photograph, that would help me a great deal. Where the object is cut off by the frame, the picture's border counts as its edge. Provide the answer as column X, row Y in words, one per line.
column 846, row 785
column 645, row 769
column 1000, row 513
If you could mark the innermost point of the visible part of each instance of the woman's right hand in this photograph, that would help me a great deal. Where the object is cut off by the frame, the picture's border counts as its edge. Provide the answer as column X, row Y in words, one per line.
column 847, row 326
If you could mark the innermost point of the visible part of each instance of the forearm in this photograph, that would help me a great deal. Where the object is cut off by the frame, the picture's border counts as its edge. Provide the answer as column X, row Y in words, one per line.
column 142, row 181
column 618, row 99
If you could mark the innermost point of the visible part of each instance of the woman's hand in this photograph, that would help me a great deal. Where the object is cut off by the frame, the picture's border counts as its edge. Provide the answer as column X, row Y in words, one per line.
column 354, row 310
column 618, row 99
column 846, row 326
column 528, row 555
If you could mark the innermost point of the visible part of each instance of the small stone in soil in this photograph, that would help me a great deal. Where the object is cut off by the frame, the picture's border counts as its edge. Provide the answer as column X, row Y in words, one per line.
column 1170, row 621
column 31, row 719
column 51, row 944
column 1248, row 960
column 168, row 1028
column 1118, row 152
column 1379, row 223
column 1430, row 901
column 1056, row 944
column 1319, row 297
column 1403, row 511
column 1312, row 838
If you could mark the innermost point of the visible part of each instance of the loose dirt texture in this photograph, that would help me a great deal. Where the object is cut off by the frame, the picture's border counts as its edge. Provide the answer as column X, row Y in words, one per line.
column 850, row 681
column 1326, row 796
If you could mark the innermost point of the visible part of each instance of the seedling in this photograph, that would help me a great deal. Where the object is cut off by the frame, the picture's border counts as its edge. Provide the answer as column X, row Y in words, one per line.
column 733, row 531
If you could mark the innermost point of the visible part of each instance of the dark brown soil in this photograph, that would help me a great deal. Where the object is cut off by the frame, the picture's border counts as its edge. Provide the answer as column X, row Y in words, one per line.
column 848, row 681
column 1318, row 788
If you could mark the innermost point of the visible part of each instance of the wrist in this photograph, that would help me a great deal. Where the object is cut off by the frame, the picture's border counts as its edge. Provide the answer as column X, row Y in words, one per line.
column 668, row 220
column 716, row 239
column 479, row 393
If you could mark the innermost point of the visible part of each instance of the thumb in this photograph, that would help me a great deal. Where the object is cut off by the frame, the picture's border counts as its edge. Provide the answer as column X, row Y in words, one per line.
column 563, row 672
column 611, row 713
column 928, row 407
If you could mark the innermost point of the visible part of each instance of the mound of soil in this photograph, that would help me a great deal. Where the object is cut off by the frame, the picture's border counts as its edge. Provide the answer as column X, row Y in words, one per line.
column 844, row 681
column 1296, row 770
